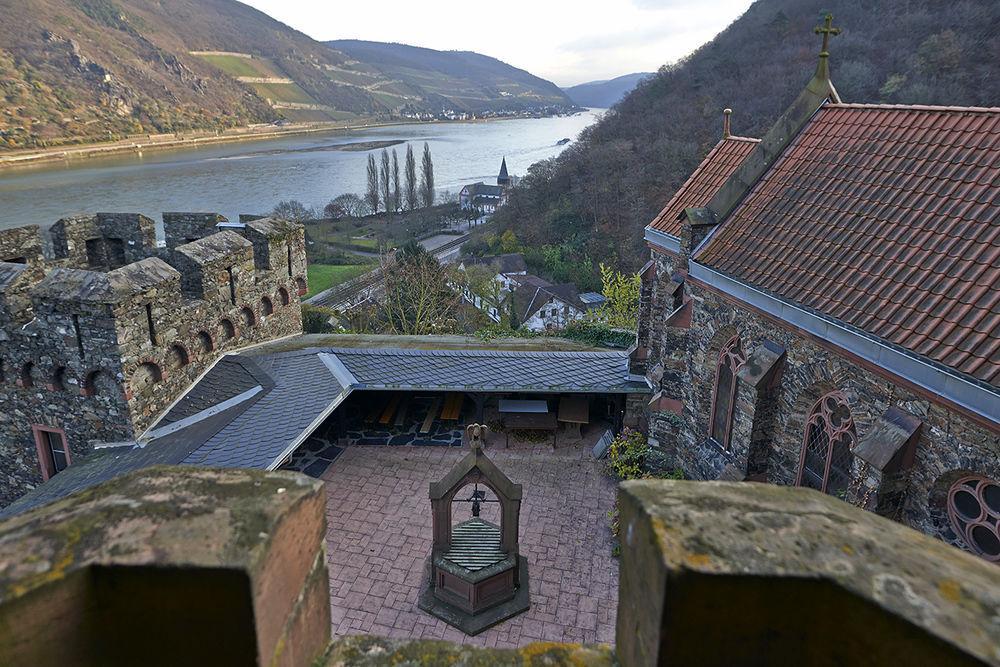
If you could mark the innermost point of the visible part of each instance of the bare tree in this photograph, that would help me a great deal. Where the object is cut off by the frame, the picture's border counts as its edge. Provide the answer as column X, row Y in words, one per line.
column 427, row 177
column 397, row 199
column 347, row 205
column 411, row 178
column 418, row 299
column 385, row 173
column 371, row 194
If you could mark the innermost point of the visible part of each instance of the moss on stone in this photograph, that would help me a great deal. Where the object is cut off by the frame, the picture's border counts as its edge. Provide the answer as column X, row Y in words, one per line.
column 365, row 651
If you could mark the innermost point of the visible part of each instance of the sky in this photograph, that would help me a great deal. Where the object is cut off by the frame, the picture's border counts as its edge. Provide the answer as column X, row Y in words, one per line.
column 564, row 41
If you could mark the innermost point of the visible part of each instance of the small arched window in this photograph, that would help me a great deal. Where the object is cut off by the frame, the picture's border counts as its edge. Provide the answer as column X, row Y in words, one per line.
column 26, row 378
column 731, row 358
column 283, row 297
column 177, row 356
column 300, row 284
column 248, row 317
column 974, row 512
column 58, row 382
column 228, row 330
column 91, row 384
column 205, row 343
column 828, row 445
column 145, row 376
column 266, row 307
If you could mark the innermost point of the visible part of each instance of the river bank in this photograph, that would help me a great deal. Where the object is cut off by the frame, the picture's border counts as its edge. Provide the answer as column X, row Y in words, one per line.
column 154, row 142
column 251, row 174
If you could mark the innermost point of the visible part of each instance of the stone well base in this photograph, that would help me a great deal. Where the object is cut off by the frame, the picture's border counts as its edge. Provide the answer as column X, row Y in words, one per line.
column 474, row 624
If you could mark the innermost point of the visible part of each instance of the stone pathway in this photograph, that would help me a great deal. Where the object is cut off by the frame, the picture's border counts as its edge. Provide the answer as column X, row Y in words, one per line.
column 379, row 537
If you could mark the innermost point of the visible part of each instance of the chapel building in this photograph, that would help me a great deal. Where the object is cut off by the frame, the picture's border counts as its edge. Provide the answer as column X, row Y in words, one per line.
column 822, row 309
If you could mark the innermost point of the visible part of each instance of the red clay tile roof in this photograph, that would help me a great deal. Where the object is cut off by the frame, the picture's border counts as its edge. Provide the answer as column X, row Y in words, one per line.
column 888, row 219
column 700, row 187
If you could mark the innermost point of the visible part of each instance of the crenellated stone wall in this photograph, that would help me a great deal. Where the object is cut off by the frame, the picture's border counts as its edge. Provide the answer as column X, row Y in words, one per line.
column 786, row 373
column 125, row 342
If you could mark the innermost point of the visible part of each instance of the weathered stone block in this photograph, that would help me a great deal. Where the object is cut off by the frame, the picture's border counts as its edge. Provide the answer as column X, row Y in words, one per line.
column 716, row 573
column 169, row 566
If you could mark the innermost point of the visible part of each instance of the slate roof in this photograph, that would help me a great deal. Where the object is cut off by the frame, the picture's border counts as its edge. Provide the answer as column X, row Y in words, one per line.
column 886, row 218
column 720, row 163
column 106, row 464
column 222, row 422
column 303, row 389
column 231, row 376
column 476, row 189
column 490, row 370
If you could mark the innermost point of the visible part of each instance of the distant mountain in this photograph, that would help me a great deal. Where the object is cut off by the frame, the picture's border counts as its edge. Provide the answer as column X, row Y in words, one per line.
column 604, row 94
column 460, row 80
column 87, row 70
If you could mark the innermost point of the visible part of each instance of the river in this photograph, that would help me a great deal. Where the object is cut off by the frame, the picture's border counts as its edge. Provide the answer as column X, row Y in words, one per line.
column 252, row 176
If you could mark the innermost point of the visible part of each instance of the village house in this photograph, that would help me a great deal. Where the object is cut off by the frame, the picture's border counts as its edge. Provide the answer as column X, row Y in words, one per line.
column 523, row 299
column 487, row 198
column 820, row 310
column 538, row 305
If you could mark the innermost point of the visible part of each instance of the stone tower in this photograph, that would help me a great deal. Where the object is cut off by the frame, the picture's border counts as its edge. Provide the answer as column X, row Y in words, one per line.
column 99, row 339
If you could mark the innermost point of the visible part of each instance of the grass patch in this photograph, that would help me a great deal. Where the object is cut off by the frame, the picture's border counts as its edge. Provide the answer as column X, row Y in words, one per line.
column 283, row 92
column 325, row 276
column 236, row 66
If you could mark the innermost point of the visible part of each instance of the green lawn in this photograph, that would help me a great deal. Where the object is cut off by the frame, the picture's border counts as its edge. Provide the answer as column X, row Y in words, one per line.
column 325, row 276
column 236, row 66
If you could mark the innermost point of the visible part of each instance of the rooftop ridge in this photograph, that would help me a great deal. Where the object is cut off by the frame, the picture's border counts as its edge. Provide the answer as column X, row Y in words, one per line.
column 910, row 107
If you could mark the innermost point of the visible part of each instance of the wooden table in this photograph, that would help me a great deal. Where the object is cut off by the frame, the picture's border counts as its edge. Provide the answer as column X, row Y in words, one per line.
column 574, row 411
column 528, row 415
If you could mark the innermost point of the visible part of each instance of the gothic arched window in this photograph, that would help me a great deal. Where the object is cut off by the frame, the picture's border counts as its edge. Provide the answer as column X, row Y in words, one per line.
column 828, row 445
column 974, row 511
column 731, row 358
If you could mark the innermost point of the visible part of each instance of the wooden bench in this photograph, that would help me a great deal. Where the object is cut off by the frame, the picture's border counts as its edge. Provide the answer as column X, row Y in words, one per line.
column 431, row 416
column 452, row 407
column 390, row 410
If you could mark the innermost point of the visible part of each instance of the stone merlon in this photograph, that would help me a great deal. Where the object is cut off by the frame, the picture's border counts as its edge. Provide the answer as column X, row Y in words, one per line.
column 721, row 573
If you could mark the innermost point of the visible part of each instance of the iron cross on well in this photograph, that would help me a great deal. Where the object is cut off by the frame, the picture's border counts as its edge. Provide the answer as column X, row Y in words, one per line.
column 826, row 30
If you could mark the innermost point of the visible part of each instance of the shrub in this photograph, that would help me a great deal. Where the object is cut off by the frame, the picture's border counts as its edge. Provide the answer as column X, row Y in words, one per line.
column 316, row 319
column 627, row 454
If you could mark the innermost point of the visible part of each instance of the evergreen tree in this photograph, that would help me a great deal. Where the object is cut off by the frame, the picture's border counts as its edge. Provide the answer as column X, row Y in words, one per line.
column 427, row 177
column 397, row 200
column 385, row 173
column 411, row 178
column 371, row 194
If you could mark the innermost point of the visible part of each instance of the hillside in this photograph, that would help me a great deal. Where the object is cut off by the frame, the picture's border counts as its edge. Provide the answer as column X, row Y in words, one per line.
column 604, row 94
column 591, row 203
column 91, row 70
column 461, row 80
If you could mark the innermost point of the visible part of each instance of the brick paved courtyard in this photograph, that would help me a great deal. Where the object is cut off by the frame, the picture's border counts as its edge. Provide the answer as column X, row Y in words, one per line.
column 379, row 537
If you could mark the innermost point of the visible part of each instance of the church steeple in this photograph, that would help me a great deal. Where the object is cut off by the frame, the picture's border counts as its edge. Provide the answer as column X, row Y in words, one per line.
column 503, row 179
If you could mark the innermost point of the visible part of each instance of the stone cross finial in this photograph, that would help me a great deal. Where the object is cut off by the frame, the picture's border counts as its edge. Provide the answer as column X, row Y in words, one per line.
column 826, row 30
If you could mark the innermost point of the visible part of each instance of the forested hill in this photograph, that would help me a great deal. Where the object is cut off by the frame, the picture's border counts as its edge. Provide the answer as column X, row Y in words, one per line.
column 603, row 94
column 591, row 203
column 460, row 80
column 87, row 70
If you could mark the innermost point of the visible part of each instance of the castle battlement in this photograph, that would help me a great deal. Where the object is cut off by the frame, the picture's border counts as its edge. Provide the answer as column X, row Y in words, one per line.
column 102, row 332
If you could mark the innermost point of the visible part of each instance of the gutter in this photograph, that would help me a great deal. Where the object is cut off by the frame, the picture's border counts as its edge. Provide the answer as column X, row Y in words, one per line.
column 663, row 240
column 964, row 393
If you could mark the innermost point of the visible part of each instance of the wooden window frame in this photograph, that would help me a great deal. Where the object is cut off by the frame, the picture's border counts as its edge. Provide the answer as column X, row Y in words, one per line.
column 45, row 461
